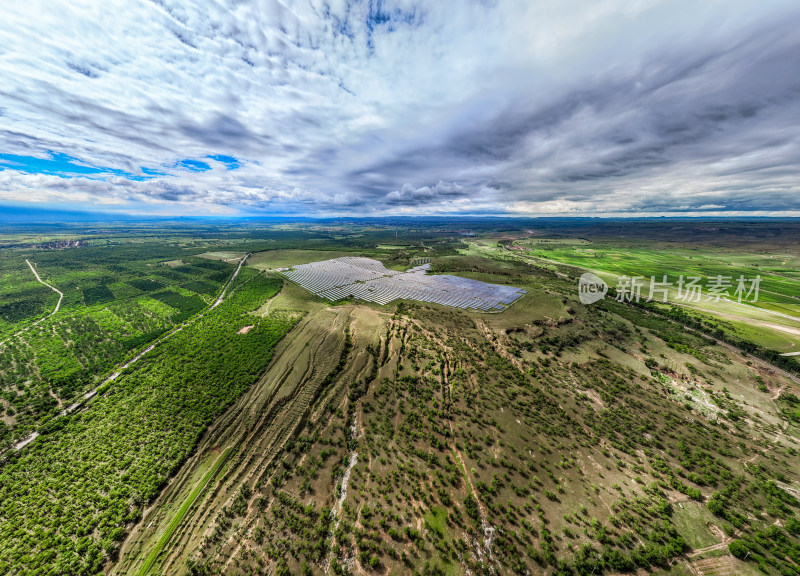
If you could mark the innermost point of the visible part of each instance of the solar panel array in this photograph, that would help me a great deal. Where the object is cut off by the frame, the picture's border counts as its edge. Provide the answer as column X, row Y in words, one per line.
column 369, row 280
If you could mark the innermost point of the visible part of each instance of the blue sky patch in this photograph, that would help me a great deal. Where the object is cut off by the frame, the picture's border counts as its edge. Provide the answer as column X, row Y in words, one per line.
column 58, row 165
column 229, row 161
column 65, row 166
column 193, row 165
column 61, row 165
column 151, row 172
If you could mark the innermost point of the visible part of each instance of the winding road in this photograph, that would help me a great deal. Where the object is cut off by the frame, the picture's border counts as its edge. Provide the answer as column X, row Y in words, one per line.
column 56, row 290
column 90, row 394
column 56, row 309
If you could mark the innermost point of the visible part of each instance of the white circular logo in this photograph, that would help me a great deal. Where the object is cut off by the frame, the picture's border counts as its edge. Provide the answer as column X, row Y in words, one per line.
column 591, row 288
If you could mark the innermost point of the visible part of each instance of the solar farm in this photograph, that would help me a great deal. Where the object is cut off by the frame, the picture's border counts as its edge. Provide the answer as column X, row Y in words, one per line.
column 369, row 280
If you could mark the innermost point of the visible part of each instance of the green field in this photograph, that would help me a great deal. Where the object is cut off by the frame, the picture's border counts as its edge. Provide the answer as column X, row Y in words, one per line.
column 692, row 519
column 159, row 407
column 116, row 301
column 771, row 321
column 179, row 515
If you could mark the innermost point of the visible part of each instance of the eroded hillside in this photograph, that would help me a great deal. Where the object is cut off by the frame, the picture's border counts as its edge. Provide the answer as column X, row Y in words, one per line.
column 552, row 438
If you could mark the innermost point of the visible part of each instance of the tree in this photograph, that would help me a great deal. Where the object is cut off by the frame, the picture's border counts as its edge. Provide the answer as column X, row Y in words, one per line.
column 471, row 506
column 739, row 549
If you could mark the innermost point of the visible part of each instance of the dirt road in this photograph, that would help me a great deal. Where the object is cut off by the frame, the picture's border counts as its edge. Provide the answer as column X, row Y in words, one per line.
column 54, row 289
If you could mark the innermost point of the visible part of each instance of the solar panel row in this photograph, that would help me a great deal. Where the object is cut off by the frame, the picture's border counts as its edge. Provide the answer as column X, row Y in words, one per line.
column 369, row 280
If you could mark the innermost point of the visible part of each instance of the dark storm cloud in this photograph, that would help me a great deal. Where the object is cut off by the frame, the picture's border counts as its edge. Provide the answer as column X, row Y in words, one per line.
column 667, row 112
column 222, row 131
column 409, row 195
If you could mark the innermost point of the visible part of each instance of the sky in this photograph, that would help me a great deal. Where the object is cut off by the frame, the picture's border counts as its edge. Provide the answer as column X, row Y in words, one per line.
column 369, row 108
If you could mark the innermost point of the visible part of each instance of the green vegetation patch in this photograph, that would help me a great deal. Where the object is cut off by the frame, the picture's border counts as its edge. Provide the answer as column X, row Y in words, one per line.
column 436, row 520
column 68, row 499
column 97, row 295
column 187, row 305
column 789, row 405
column 219, row 277
column 145, row 284
column 211, row 264
column 21, row 309
column 692, row 520
column 201, row 287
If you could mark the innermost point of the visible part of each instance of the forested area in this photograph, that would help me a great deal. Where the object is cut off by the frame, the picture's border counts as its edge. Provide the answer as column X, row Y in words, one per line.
column 68, row 498
column 116, row 301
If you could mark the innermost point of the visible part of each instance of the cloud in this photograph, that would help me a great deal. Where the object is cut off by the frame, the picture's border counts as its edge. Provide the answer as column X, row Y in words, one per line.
column 336, row 107
column 407, row 194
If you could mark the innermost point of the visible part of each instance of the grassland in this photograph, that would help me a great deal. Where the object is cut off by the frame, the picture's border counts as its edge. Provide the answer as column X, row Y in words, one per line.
column 156, row 550
column 771, row 321
column 552, row 438
column 557, row 439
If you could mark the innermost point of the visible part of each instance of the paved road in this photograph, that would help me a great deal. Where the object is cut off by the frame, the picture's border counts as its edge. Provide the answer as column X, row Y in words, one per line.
column 235, row 274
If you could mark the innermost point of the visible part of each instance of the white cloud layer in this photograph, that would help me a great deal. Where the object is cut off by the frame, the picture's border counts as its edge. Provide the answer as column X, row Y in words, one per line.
column 369, row 107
